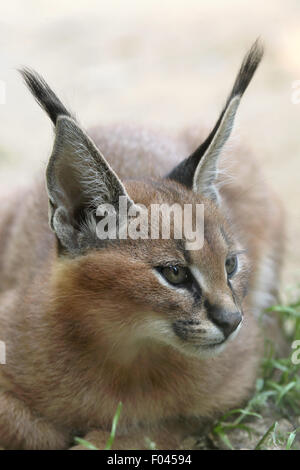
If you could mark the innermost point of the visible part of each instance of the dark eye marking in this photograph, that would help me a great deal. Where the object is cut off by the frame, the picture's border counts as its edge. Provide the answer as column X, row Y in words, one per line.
column 175, row 275
column 181, row 277
column 231, row 265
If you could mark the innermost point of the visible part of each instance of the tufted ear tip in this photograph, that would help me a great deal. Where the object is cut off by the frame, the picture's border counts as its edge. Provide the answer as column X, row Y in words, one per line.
column 199, row 170
column 248, row 67
column 43, row 94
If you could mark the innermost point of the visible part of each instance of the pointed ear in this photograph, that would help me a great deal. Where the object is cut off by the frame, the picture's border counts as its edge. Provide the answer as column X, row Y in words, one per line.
column 78, row 177
column 199, row 171
column 78, row 180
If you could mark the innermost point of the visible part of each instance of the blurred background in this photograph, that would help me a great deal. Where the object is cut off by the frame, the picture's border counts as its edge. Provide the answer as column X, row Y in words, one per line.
column 168, row 64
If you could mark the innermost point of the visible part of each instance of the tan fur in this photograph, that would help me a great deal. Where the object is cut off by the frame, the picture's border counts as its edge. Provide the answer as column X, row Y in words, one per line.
column 170, row 332
column 70, row 324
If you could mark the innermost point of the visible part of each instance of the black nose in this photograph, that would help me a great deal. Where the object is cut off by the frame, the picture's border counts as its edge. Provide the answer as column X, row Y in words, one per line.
column 226, row 320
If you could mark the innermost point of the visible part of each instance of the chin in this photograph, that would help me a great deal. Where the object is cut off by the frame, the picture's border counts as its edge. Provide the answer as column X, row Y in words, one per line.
column 206, row 351
column 203, row 351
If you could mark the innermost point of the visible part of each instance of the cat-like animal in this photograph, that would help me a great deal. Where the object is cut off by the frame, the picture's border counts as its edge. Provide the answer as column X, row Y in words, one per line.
column 170, row 332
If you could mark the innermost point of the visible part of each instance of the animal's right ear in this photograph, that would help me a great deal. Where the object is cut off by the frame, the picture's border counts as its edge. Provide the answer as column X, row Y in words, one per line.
column 78, row 177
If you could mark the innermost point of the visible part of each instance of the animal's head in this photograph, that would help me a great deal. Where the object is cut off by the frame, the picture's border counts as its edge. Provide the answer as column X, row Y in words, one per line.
column 149, row 290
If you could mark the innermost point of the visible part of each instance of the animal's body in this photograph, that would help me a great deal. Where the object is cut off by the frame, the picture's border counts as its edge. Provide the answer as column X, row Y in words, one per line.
column 88, row 324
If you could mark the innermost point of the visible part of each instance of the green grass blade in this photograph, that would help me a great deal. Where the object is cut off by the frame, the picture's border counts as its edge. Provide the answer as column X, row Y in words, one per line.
column 85, row 443
column 290, row 440
column 265, row 436
column 114, row 428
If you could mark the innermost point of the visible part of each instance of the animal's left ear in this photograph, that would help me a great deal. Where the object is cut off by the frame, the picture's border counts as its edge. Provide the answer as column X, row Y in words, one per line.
column 200, row 170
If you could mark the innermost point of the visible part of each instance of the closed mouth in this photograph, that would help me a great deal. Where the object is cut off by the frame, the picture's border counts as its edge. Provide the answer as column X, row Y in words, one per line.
column 209, row 346
column 214, row 345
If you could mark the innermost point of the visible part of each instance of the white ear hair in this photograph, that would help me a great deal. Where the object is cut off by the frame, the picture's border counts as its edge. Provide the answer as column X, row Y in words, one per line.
column 78, row 177
column 207, row 170
column 78, row 180
column 199, row 171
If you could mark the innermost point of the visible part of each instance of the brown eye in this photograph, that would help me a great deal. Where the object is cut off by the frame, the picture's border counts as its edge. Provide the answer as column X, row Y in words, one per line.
column 231, row 265
column 175, row 274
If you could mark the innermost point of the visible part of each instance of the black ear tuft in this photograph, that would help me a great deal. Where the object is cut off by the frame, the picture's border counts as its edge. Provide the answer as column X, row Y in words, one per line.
column 247, row 69
column 184, row 172
column 43, row 94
